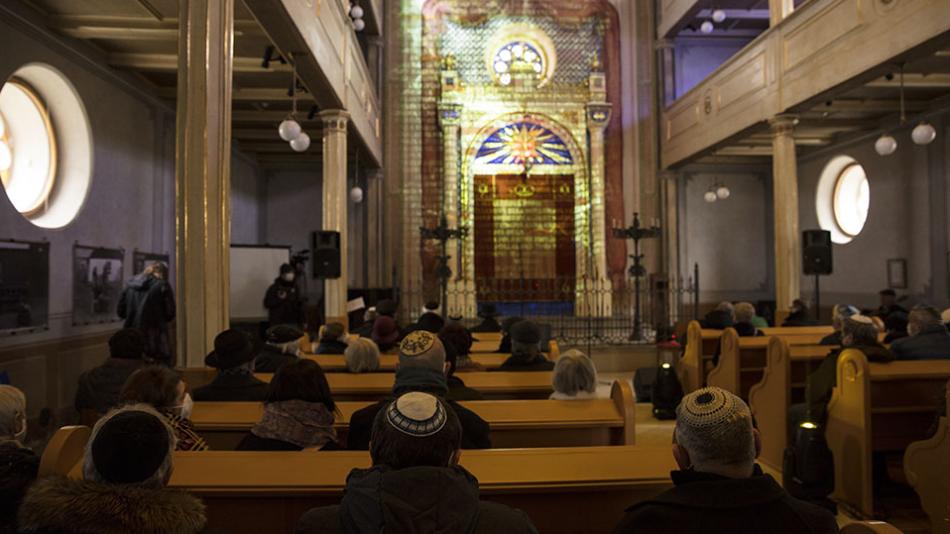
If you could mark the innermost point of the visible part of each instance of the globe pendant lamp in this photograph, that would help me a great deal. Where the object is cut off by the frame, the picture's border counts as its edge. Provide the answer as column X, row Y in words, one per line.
column 290, row 130
column 885, row 145
column 923, row 134
column 301, row 143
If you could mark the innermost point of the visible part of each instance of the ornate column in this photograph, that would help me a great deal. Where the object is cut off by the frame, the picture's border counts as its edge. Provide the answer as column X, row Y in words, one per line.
column 670, row 240
column 667, row 67
column 779, row 9
column 373, row 200
column 335, row 199
column 203, row 169
column 450, row 119
column 598, row 115
column 788, row 254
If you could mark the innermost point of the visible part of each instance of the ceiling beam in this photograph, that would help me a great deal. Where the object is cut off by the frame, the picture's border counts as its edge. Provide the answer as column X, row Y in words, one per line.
column 169, row 63
column 914, row 81
column 737, row 14
column 267, row 134
column 270, row 116
column 93, row 22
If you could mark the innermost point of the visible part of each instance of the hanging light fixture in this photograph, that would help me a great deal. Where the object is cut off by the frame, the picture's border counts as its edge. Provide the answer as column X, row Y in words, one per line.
column 706, row 27
column 718, row 15
column 723, row 192
column 710, row 196
column 301, row 143
column 356, row 192
column 923, row 134
column 885, row 145
column 356, row 14
column 289, row 129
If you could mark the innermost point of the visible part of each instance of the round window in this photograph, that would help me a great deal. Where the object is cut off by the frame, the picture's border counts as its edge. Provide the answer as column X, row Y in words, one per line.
column 45, row 146
column 843, row 198
column 28, row 149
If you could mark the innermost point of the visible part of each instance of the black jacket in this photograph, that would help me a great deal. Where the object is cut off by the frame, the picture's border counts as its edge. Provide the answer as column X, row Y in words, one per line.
column 270, row 359
column 58, row 505
column 99, row 387
column 523, row 362
column 253, row 442
column 416, row 500
column 148, row 304
column 286, row 310
column 820, row 383
column 475, row 431
column 833, row 338
column 331, row 346
column 717, row 319
column 932, row 343
column 747, row 330
column 231, row 386
column 488, row 324
column 703, row 503
column 458, row 391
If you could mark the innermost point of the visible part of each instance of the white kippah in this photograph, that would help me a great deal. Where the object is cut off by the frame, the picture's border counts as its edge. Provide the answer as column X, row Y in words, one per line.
column 709, row 407
column 417, row 414
column 863, row 319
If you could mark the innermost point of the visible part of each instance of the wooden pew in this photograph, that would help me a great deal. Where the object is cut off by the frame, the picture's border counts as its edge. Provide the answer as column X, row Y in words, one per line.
column 64, row 450
column 494, row 337
column 742, row 360
column 877, row 407
column 927, row 467
column 375, row 386
column 701, row 344
column 335, row 363
column 252, row 492
column 769, row 399
column 870, row 527
column 514, row 423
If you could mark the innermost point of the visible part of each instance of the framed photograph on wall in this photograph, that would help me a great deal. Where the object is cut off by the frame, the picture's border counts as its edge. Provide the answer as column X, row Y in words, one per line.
column 24, row 286
column 97, row 284
column 140, row 259
column 897, row 273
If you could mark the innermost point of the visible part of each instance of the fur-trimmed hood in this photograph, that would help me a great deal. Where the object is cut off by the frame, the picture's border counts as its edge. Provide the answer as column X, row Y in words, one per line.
column 59, row 505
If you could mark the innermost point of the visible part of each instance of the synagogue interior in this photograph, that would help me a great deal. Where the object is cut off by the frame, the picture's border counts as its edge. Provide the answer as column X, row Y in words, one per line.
column 459, row 266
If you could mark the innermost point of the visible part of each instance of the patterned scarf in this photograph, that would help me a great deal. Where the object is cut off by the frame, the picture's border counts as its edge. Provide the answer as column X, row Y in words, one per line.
column 305, row 424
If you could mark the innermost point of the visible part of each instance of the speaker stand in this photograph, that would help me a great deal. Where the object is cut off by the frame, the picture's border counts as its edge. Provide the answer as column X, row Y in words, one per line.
column 817, row 298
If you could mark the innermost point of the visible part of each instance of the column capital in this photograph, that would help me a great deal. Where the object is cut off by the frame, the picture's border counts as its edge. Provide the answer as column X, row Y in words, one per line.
column 334, row 120
column 783, row 124
column 450, row 114
column 598, row 115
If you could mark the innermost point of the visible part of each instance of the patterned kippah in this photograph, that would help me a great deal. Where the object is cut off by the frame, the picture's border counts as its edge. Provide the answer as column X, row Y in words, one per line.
column 416, row 414
column 710, row 407
column 417, row 343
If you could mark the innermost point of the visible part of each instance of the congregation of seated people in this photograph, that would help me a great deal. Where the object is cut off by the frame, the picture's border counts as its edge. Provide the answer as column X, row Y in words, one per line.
column 141, row 415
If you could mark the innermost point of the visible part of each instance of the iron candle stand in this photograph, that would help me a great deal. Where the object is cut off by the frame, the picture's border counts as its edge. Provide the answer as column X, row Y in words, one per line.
column 636, row 232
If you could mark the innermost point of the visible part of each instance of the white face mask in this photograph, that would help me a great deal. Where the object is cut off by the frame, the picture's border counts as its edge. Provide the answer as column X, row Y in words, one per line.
column 187, row 406
column 288, row 277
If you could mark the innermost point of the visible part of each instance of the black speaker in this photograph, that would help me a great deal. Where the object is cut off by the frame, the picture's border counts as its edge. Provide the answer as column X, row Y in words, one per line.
column 816, row 252
column 326, row 254
column 643, row 380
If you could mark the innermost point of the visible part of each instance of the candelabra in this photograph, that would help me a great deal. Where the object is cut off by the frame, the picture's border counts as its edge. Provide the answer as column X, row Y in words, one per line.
column 637, row 270
column 442, row 233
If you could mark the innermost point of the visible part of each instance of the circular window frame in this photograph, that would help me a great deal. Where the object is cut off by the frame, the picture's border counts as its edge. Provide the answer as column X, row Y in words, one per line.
column 42, row 203
column 531, row 35
column 835, row 204
column 829, row 184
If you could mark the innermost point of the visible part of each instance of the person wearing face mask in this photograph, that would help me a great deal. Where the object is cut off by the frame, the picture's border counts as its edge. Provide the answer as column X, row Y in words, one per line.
column 282, row 299
column 163, row 389
column 928, row 338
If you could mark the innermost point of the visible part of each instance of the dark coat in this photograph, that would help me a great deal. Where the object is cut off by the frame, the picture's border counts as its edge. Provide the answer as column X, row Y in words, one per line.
column 99, row 387
column 270, row 359
column 522, row 362
column 458, row 391
column 283, row 310
column 253, row 442
column 821, row 381
column 330, row 346
column 747, row 330
column 365, row 330
column 148, row 305
column 833, row 338
column 703, row 503
column 230, row 386
column 475, row 431
column 799, row 318
column 932, row 343
column 488, row 324
column 416, row 500
column 58, row 505
column 717, row 319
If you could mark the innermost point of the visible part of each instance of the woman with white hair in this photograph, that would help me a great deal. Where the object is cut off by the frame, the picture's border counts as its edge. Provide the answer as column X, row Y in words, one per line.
column 12, row 414
column 575, row 377
column 362, row 356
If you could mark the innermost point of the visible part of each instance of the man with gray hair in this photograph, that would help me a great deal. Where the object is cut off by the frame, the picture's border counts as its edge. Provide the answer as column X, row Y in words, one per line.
column 422, row 367
column 12, row 414
column 575, row 377
column 928, row 337
column 719, row 487
column 720, row 318
column 127, row 465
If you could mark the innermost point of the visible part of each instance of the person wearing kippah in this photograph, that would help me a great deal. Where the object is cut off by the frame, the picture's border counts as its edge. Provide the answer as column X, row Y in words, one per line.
column 505, row 346
column 332, row 339
column 281, row 346
column 857, row 332
column 98, row 390
column 416, row 483
column 927, row 337
column 526, row 352
column 719, row 488
column 422, row 367
column 839, row 313
column 126, row 467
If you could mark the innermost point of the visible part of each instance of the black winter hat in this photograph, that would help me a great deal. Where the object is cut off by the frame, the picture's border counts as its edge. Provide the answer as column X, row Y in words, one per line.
column 127, row 343
column 286, row 268
column 386, row 307
column 283, row 333
column 232, row 348
column 526, row 332
column 130, row 447
column 488, row 310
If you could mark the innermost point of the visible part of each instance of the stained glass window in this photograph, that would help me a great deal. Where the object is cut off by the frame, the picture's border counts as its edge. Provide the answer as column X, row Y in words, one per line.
column 517, row 56
column 520, row 142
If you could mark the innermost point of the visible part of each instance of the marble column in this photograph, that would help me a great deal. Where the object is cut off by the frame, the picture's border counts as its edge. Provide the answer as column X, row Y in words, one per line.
column 203, row 169
column 335, row 200
column 779, row 9
column 788, row 253
column 598, row 115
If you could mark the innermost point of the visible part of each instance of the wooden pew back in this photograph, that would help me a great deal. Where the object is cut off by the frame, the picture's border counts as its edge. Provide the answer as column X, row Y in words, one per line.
column 66, row 448
column 927, row 467
column 376, row 386
column 332, row 363
column 514, row 423
column 877, row 407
